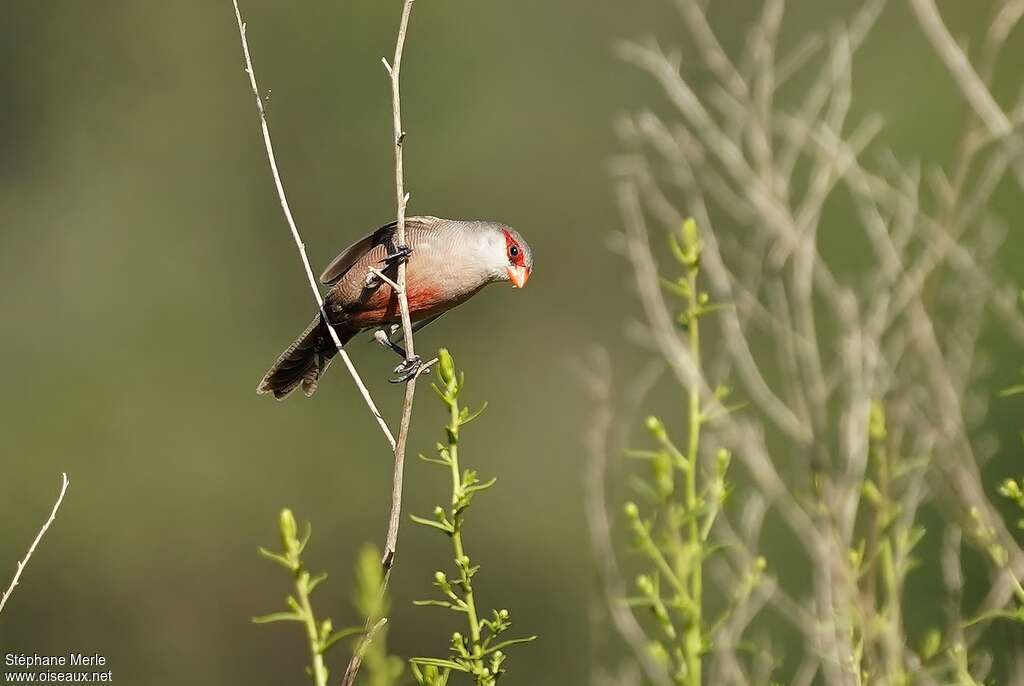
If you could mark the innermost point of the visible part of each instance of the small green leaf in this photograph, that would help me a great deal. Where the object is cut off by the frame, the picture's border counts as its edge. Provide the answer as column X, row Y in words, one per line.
column 447, row 528
column 470, row 416
column 931, row 644
column 305, row 539
column 510, row 642
column 876, row 421
column 677, row 249
column 280, row 559
column 436, row 603
column 278, row 617
column 714, row 307
column 870, row 491
column 315, row 581
column 481, row 486
column 437, row 662
column 430, row 675
column 678, row 288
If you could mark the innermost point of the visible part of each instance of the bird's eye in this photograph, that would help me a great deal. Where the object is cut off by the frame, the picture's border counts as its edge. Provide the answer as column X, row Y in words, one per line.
column 513, row 251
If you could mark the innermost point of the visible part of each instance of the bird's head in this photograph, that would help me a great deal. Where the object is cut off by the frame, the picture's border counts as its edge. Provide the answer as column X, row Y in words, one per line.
column 510, row 255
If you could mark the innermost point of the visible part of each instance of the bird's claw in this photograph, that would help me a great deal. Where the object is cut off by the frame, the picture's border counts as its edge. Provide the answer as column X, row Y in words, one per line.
column 409, row 369
column 401, row 254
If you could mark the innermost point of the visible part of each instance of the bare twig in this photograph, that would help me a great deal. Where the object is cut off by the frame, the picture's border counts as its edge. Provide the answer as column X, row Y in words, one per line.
column 268, row 144
column 357, row 657
column 39, row 537
column 401, row 199
column 398, row 286
column 974, row 89
column 975, row 92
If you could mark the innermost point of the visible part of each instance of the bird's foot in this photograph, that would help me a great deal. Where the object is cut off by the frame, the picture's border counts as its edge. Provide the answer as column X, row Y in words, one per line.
column 400, row 254
column 409, row 369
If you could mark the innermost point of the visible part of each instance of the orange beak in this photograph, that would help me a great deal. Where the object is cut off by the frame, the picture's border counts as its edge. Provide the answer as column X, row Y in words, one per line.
column 518, row 275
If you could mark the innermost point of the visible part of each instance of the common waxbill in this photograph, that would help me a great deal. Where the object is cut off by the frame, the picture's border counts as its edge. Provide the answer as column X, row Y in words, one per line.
column 447, row 262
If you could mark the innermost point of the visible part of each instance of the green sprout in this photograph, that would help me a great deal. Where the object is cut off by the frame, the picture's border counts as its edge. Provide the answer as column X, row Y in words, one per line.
column 687, row 499
column 480, row 654
column 320, row 634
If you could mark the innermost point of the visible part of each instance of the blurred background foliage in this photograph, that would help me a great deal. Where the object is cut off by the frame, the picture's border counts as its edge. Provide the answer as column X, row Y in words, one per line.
column 147, row 280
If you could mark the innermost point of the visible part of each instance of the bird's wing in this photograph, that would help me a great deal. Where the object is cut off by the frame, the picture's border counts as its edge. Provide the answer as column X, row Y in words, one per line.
column 340, row 265
column 350, row 255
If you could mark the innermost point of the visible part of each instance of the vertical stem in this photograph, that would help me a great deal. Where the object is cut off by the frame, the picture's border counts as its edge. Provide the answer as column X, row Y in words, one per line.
column 400, row 196
column 466, row 582
column 395, row 70
column 692, row 637
column 312, row 631
column 891, row 582
column 395, row 516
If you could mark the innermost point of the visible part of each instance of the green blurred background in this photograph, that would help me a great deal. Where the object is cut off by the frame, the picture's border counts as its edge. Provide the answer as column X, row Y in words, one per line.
column 147, row 279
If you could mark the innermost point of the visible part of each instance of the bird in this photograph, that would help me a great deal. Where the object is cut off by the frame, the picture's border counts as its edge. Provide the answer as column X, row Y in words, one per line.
column 448, row 261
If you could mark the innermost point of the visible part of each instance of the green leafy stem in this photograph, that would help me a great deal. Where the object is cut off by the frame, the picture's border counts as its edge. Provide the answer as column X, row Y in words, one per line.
column 481, row 654
column 320, row 634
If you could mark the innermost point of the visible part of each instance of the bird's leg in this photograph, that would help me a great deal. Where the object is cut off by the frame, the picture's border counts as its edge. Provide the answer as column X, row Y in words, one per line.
column 384, row 338
column 399, row 253
column 409, row 367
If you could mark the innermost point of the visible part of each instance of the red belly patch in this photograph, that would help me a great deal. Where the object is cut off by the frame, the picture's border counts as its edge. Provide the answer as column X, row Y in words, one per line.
column 382, row 307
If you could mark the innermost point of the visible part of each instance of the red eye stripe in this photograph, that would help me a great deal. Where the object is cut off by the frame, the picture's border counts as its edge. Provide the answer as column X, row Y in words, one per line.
column 518, row 259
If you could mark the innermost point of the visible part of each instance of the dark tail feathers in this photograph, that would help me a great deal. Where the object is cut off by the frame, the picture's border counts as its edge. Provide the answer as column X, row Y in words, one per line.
column 304, row 360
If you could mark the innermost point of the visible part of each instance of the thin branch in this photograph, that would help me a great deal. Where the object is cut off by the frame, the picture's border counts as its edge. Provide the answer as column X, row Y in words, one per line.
column 401, row 199
column 39, row 537
column 295, row 232
column 360, row 652
column 971, row 85
column 394, row 70
column 383, row 277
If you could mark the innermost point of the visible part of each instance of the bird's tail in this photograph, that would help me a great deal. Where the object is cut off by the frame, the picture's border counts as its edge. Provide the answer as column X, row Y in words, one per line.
column 304, row 360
